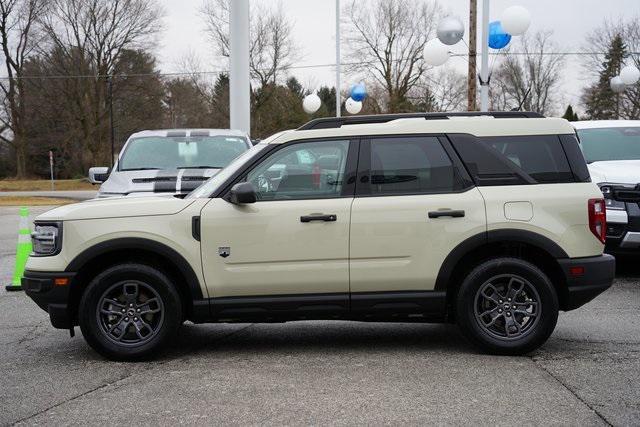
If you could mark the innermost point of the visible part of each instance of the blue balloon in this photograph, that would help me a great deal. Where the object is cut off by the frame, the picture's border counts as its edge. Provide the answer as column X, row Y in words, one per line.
column 498, row 38
column 358, row 92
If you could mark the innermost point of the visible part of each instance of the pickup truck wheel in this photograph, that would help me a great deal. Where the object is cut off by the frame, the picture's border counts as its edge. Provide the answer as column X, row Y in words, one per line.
column 129, row 312
column 507, row 306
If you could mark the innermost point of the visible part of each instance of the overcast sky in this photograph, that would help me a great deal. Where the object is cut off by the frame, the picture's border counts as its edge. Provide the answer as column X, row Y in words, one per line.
column 314, row 30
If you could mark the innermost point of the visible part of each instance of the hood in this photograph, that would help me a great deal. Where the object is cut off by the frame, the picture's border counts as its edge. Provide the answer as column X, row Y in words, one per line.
column 155, row 181
column 615, row 171
column 117, row 207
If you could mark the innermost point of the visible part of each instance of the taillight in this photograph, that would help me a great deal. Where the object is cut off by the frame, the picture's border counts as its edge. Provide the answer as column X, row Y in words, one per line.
column 598, row 219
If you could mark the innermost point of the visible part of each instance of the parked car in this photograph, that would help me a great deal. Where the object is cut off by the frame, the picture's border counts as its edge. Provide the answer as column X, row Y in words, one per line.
column 491, row 222
column 169, row 161
column 612, row 151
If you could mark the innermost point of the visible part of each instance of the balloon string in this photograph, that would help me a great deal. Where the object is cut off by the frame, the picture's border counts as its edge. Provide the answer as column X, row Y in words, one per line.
column 493, row 62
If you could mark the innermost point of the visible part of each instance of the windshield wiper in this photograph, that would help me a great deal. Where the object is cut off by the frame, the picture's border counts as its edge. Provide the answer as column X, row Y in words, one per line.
column 140, row 169
column 199, row 167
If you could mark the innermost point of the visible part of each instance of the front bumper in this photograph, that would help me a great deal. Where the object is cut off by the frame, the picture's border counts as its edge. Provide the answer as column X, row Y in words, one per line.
column 586, row 278
column 623, row 229
column 41, row 287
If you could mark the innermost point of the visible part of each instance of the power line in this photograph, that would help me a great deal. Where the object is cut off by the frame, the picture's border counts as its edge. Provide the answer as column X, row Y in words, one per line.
column 296, row 67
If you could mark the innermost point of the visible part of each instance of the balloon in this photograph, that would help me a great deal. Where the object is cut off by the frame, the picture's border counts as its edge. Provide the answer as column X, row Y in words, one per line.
column 450, row 30
column 435, row 52
column 617, row 85
column 353, row 107
column 498, row 38
column 630, row 75
column 515, row 20
column 358, row 92
column 311, row 103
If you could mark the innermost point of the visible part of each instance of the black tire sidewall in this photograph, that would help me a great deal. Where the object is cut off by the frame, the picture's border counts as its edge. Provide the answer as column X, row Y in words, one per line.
column 153, row 277
column 466, row 300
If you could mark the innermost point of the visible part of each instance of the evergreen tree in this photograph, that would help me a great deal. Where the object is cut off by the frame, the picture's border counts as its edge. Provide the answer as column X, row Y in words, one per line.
column 570, row 115
column 600, row 100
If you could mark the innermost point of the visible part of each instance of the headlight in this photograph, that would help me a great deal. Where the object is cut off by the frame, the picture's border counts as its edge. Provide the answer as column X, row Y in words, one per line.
column 607, row 192
column 46, row 239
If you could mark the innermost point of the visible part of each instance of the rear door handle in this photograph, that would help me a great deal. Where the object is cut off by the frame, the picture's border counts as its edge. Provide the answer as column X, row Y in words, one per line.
column 327, row 218
column 451, row 213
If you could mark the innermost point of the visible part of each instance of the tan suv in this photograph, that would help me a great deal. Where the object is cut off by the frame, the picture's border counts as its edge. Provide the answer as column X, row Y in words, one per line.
column 490, row 221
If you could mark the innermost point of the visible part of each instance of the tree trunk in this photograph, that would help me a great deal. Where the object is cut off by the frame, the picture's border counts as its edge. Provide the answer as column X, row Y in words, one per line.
column 21, row 157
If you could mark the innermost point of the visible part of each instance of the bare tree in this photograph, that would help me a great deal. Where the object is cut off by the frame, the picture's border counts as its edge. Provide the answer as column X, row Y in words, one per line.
column 271, row 45
column 530, row 78
column 386, row 39
column 597, row 45
column 444, row 90
column 18, row 35
column 90, row 36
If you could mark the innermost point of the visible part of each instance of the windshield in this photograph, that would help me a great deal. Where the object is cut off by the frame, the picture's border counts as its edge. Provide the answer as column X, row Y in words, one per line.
column 620, row 143
column 168, row 152
column 212, row 184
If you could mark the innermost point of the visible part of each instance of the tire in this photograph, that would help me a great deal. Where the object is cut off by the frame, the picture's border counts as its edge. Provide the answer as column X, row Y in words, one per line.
column 489, row 319
column 129, row 312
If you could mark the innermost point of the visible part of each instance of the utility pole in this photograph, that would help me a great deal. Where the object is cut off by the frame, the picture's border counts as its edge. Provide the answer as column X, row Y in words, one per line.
column 239, row 80
column 338, row 103
column 472, row 78
column 484, row 70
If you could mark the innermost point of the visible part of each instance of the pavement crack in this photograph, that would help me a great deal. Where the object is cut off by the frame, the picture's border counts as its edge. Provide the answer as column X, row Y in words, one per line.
column 71, row 399
column 571, row 390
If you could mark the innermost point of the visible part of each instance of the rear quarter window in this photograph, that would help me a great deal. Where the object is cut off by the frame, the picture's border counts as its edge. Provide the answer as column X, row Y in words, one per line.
column 539, row 156
column 514, row 160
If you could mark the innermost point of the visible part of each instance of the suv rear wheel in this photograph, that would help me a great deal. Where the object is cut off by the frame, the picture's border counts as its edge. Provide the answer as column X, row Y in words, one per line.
column 507, row 306
column 129, row 312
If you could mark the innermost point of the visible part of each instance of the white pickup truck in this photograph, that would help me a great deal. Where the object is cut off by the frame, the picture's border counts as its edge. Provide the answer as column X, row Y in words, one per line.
column 612, row 151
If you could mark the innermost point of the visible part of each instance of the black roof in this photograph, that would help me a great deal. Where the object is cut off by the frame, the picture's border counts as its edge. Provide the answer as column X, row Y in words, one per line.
column 336, row 122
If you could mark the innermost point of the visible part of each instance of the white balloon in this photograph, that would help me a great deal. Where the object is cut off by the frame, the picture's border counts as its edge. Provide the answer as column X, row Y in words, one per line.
column 450, row 30
column 435, row 52
column 311, row 103
column 630, row 75
column 617, row 85
column 515, row 20
column 353, row 107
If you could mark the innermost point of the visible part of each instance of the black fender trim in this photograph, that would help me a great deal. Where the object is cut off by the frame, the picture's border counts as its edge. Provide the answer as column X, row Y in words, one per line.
column 143, row 244
column 494, row 236
column 449, row 263
column 524, row 236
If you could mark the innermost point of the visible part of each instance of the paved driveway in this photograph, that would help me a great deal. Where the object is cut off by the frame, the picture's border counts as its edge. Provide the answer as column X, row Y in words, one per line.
column 324, row 372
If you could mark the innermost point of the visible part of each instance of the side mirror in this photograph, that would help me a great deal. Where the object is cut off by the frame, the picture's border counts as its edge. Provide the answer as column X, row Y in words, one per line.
column 98, row 175
column 242, row 193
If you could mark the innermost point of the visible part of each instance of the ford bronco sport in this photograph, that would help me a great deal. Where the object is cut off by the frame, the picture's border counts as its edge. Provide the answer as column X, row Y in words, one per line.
column 487, row 220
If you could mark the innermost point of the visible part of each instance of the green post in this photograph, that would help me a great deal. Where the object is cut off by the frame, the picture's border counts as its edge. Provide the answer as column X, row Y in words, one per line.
column 23, row 249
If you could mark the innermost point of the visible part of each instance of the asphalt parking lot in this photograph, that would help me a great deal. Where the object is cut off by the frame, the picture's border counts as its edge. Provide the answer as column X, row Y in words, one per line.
column 588, row 373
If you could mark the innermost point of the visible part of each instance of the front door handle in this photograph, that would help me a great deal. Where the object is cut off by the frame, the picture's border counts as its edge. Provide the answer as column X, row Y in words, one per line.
column 449, row 212
column 315, row 217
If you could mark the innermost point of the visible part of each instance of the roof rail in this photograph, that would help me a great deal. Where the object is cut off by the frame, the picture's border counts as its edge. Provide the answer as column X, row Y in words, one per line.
column 336, row 122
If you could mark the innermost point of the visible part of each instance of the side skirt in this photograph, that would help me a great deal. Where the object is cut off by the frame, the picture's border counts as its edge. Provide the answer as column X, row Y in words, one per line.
column 402, row 306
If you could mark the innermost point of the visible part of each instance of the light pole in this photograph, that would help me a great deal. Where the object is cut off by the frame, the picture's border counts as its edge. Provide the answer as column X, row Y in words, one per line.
column 338, row 103
column 239, row 83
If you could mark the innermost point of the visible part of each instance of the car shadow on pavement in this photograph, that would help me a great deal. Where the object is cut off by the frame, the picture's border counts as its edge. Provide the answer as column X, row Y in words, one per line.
column 627, row 266
column 320, row 337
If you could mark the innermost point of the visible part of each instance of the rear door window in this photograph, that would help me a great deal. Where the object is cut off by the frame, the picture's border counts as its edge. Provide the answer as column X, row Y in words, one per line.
column 411, row 165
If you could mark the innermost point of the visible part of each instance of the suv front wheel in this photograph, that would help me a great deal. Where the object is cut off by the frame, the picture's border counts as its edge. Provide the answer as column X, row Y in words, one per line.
column 507, row 306
column 129, row 312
